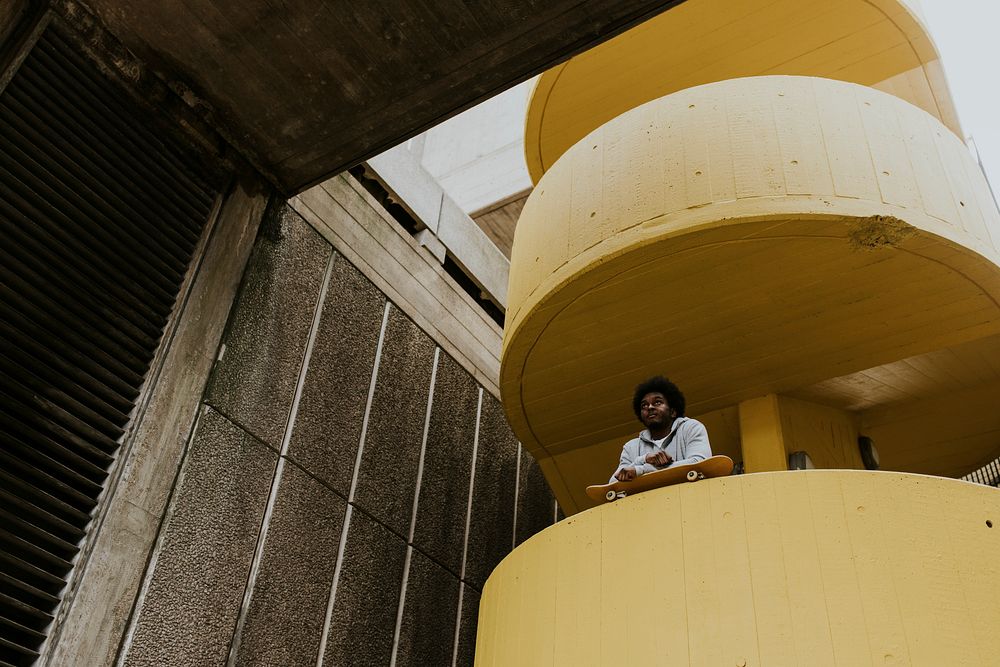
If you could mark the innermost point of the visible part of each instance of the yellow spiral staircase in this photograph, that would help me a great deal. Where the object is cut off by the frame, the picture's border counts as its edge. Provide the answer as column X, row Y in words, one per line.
column 770, row 203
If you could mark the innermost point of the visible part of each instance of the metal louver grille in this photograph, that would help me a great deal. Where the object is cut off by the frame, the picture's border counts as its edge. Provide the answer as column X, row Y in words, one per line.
column 99, row 218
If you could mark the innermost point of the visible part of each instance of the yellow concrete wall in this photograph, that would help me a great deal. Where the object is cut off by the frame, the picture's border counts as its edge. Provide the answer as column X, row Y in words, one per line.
column 710, row 153
column 772, row 427
column 950, row 434
column 878, row 43
column 719, row 235
column 829, row 435
column 793, row 568
column 761, row 434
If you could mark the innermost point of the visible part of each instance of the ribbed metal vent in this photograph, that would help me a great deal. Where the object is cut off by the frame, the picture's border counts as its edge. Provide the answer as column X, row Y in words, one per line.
column 99, row 217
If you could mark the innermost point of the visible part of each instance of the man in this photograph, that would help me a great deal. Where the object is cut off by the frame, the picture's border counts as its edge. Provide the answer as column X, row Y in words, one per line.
column 670, row 438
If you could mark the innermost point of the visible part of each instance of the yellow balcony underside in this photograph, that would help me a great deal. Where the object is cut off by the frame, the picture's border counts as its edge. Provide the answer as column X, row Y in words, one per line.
column 746, row 237
column 793, row 568
column 877, row 43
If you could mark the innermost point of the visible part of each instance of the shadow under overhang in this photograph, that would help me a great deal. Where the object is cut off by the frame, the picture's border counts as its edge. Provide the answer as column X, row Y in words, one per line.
column 306, row 89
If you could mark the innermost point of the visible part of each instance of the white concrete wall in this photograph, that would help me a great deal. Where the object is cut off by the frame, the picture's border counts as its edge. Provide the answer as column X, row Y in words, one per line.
column 448, row 228
column 478, row 156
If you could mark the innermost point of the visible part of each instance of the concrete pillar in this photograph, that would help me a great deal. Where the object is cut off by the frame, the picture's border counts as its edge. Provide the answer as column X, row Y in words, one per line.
column 761, row 435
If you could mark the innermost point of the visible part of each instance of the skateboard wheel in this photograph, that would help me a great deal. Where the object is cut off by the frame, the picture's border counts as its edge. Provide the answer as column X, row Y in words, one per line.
column 611, row 495
column 692, row 475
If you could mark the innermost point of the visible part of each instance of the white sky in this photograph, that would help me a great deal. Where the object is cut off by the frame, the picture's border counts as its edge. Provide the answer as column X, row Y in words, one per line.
column 966, row 35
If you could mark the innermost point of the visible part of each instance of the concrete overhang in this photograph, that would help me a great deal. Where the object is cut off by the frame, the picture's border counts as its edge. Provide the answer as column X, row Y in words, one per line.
column 306, row 89
column 932, row 413
column 878, row 43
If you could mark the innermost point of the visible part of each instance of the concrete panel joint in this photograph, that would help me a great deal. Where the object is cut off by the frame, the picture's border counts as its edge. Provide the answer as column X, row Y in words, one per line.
column 428, row 240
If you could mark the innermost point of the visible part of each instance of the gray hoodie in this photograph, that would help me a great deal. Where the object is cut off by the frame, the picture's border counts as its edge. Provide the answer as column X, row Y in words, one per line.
column 686, row 443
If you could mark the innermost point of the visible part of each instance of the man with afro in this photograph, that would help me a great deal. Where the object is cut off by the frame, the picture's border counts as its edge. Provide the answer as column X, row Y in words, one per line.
column 669, row 438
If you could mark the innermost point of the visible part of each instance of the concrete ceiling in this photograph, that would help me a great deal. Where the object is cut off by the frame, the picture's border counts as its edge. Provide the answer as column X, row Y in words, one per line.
column 305, row 89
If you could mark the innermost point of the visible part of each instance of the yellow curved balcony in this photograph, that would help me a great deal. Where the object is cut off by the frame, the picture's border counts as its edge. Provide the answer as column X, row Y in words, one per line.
column 878, row 43
column 791, row 568
column 747, row 237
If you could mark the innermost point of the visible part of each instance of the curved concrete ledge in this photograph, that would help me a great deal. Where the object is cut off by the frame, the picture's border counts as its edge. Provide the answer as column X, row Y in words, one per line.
column 789, row 568
column 745, row 237
column 878, row 43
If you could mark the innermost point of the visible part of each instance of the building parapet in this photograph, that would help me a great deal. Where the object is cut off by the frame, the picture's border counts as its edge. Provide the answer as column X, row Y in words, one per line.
column 446, row 227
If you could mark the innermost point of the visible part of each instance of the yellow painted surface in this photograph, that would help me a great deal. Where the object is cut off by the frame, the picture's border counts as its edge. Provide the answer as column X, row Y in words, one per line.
column 953, row 433
column 761, row 435
column 715, row 235
column 789, row 568
column 931, row 413
column 723, row 430
column 828, row 434
column 772, row 427
column 923, row 376
column 877, row 43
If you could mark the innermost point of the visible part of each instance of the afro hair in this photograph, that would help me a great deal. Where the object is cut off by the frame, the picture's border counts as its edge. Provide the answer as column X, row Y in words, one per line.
column 675, row 399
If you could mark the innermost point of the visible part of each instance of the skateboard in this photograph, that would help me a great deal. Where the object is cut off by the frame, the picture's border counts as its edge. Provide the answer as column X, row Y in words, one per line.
column 716, row 466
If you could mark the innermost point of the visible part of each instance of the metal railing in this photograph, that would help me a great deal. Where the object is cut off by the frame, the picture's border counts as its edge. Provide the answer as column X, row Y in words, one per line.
column 989, row 474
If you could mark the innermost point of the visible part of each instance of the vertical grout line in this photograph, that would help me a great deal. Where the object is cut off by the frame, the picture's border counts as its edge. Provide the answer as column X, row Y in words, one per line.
column 423, row 444
column 413, row 515
column 325, row 637
column 368, row 403
column 310, row 344
column 458, row 624
column 279, row 470
column 468, row 522
column 472, row 482
column 168, row 512
column 517, row 491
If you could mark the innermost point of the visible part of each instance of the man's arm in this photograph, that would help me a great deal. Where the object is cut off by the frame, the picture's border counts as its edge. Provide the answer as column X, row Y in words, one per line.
column 696, row 445
column 647, row 463
column 631, row 464
column 656, row 460
column 626, row 464
column 639, row 464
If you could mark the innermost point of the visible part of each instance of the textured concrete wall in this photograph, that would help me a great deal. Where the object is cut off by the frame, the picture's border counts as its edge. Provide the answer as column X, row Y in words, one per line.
column 348, row 488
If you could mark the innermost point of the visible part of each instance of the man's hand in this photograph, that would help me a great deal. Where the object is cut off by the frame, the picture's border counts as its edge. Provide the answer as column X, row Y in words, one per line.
column 659, row 459
column 625, row 475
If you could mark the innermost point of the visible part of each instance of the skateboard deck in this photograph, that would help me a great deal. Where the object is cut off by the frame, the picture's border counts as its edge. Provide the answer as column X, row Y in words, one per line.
column 715, row 466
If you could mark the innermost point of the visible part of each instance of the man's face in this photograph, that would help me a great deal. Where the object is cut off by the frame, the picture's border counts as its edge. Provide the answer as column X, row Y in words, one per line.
column 654, row 410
